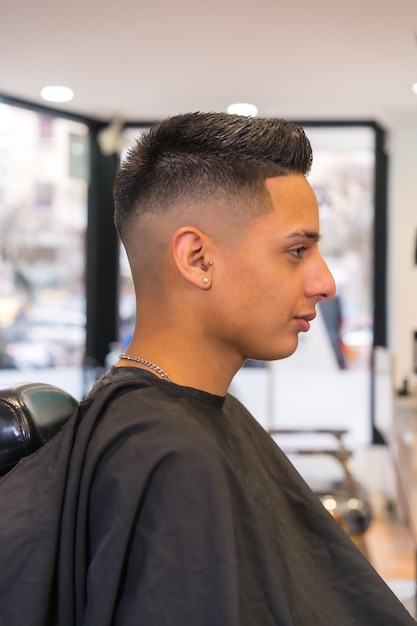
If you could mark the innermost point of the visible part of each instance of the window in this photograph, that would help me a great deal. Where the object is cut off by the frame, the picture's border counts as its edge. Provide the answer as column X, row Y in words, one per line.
column 343, row 176
column 43, row 214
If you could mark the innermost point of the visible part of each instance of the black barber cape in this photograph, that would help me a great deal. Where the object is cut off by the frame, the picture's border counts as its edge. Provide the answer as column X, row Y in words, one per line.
column 161, row 505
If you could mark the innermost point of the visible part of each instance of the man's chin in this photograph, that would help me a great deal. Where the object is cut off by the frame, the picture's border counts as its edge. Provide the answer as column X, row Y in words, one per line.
column 286, row 354
column 277, row 355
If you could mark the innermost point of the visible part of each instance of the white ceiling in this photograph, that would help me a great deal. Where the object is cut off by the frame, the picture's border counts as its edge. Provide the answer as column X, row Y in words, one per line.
column 300, row 59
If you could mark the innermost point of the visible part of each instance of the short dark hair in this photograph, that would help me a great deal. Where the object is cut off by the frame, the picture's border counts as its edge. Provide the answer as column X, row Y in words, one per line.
column 197, row 156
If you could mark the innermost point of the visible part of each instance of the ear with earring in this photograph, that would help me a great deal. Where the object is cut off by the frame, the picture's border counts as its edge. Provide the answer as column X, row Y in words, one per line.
column 205, row 280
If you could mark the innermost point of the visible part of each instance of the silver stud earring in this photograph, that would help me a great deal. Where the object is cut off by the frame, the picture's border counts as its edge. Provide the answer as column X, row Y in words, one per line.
column 205, row 280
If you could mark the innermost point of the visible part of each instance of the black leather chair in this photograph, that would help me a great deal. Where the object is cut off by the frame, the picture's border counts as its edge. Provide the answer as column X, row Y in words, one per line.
column 30, row 415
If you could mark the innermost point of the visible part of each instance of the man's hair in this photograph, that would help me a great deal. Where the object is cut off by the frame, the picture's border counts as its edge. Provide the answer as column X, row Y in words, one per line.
column 193, row 158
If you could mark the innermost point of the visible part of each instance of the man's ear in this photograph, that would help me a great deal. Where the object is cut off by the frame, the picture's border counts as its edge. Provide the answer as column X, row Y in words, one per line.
column 190, row 250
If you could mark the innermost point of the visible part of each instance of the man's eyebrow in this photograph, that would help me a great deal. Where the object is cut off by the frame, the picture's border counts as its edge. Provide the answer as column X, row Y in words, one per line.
column 304, row 234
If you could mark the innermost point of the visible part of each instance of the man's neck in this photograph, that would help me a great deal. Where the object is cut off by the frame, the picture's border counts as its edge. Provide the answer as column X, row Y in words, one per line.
column 186, row 362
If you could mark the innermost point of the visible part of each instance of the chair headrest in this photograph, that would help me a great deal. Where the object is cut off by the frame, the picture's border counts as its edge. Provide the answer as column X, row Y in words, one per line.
column 30, row 415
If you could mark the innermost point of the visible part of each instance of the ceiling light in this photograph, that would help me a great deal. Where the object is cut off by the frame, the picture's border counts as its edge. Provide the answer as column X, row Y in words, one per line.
column 242, row 108
column 55, row 93
column 414, row 88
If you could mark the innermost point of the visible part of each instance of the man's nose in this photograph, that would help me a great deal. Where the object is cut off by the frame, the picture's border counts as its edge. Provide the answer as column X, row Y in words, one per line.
column 322, row 285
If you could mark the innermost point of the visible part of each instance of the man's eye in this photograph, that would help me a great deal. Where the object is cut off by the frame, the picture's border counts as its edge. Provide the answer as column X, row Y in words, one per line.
column 298, row 252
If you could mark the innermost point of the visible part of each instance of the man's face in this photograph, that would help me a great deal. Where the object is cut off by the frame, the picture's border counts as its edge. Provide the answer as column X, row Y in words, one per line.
column 269, row 278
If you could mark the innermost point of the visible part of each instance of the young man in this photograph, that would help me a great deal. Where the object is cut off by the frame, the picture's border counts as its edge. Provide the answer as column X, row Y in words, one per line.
column 171, row 505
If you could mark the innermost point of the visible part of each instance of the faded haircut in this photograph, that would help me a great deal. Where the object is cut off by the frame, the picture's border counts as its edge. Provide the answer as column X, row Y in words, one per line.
column 196, row 157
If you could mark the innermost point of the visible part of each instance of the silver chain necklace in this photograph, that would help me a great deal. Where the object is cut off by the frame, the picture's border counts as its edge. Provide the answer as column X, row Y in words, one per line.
column 152, row 366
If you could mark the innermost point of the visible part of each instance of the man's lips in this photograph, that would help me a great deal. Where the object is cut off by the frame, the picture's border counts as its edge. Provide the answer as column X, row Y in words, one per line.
column 304, row 321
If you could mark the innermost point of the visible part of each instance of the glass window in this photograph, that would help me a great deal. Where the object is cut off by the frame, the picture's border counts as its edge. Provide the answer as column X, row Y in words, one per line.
column 43, row 214
column 343, row 179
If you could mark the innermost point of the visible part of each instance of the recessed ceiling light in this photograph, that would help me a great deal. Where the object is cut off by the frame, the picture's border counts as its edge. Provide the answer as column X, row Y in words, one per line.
column 414, row 88
column 243, row 108
column 55, row 93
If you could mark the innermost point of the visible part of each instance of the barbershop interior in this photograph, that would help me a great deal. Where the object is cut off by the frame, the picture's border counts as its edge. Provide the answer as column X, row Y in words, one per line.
column 344, row 406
